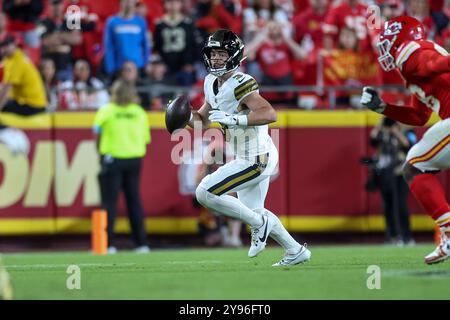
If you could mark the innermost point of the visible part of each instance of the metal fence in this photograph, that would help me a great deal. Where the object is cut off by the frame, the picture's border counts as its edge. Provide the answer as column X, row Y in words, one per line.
column 328, row 92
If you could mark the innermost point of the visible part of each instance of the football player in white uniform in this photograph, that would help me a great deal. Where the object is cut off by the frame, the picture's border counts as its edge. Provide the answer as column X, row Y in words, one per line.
column 232, row 99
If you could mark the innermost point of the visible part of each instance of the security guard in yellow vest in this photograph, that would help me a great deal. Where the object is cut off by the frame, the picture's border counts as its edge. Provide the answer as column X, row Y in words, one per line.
column 123, row 134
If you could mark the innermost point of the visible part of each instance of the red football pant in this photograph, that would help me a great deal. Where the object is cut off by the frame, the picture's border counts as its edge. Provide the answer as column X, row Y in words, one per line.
column 427, row 189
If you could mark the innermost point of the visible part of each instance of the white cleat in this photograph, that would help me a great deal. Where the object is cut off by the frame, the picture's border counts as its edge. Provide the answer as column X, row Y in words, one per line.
column 112, row 250
column 302, row 256
column 441, row 253
column 260, row 235
column 142, row 249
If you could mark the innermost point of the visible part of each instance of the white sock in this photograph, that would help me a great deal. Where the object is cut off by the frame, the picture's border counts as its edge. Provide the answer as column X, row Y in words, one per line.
column 282, row 236
column 229, row 206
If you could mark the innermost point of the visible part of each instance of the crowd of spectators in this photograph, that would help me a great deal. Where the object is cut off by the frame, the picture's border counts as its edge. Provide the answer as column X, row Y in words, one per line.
column 82, row 46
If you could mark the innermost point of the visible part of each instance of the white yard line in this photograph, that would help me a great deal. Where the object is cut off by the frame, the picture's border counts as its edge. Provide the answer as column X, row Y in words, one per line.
column 65, row 265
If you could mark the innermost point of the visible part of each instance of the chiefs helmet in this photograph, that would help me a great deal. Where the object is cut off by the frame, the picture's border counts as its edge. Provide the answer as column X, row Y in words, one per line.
column 228, row 41
column 395, row 33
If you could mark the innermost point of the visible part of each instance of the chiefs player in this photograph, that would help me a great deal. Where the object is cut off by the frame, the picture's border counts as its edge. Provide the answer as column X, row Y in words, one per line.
column 425, row 66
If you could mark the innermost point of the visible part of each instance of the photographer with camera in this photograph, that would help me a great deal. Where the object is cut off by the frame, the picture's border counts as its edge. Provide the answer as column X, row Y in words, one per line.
column 392, row 141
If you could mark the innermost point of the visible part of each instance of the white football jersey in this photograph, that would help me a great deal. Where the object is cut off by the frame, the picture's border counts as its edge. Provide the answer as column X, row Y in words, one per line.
column 245, row 141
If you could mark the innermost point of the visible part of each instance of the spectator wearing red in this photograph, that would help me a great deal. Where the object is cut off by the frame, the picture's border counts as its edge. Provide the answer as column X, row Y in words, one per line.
column 275, row 53
column 212, row 15
column 151, row 11
column 420, row 9
column 389, row 10
column 308, row 27
column 347, row 65
column 255, row 19
column 84, row 92
column 259, row 14
column 300, row 6
column 350, row 14
column 23, row 16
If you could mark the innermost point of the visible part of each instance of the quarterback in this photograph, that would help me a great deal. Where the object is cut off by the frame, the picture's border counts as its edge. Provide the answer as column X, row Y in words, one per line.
column 232, row 99
column 425, row 67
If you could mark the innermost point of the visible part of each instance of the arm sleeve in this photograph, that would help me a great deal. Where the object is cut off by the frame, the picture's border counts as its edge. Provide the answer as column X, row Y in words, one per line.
column 157, row 42
column 417, row 114
column 425, row 63
column 146, row 45
column 109, row 48
column 247, row 85
column 100, row 118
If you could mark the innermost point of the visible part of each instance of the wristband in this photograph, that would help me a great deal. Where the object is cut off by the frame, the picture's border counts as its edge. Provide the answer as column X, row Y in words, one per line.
column 242, row 120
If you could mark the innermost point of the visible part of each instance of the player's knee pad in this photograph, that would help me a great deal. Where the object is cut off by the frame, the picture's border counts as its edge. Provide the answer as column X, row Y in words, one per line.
column 203, row 196
column 260, row 211
column 409, row 172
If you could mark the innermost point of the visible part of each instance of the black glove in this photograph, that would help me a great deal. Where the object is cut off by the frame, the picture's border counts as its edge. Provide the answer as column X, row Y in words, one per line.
column 371, row 99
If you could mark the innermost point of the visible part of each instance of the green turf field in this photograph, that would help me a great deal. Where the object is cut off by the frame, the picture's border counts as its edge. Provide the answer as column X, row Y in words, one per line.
column 334, row 272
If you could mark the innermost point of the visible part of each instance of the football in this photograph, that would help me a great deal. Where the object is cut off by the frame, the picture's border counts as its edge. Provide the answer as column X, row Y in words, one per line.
column 178, row 113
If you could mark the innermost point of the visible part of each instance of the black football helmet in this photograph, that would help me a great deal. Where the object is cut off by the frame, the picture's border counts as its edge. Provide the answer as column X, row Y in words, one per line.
column 225, row 40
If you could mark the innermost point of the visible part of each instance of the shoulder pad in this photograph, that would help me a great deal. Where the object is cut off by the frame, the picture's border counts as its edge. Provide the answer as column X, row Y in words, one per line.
column 405, row 51
column 244, row 84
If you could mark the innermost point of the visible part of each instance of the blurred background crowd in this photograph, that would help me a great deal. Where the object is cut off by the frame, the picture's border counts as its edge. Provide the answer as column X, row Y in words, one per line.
column 304, row 53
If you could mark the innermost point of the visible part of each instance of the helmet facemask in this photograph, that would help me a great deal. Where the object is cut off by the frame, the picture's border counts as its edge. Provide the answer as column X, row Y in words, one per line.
column 386, row 59
column 235, row 56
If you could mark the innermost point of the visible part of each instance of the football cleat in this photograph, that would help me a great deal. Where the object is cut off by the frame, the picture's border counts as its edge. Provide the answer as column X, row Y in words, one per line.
column 442, row 251
column 302, row 256
column 142, row 249
column 112, row 250
column 260, row 235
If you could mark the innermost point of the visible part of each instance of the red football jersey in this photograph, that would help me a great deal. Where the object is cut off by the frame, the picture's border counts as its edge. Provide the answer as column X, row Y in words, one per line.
column 425, row 66
column 309, row 23
column 345, row 16
column 275, row 60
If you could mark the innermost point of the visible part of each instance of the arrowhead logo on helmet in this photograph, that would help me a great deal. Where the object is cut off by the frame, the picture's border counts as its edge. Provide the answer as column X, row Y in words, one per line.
column 397, row 32
column 392, row 29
